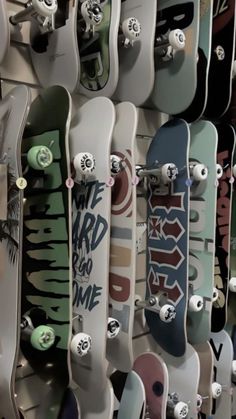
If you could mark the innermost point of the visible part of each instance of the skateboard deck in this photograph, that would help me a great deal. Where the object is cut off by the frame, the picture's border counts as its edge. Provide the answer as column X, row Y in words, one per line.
column 205, row 355
column 203, row 147
column 123, row 238
column 222, row 56
column 46, row 271
column 5, row 31
column 184, row 373
column 167, row 240
column 225, row 150
column 197, row 107
column 70, row 407
column 223, row 359
column 99, row 52
column 55, row 55
column 91, row 133
column 231, row 297
column 132, row 60
column 154, row 374
column 130, row 390
column 13, row 116
column 176, row 79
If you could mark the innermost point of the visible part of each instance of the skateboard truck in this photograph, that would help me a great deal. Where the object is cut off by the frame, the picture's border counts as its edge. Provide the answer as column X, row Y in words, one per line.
column 198, row 172
column 113, row 328
column 157, row 304
column 176, row 408
column 92, row 14
column 199, row 402
column 219, row 171
column 43, row 11
column 167, row 45
column 81, row 344
column 84, row 164
column 41, row 337
column 130, row 30
column 167, row 172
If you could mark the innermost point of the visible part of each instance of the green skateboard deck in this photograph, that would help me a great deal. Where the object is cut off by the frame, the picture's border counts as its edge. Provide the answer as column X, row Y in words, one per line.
column 46, row 271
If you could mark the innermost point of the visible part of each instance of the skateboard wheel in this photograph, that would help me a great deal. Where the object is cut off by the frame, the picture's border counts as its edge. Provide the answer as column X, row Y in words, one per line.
column 113, row 328
column 195, row 303
column 234, row 368
column 81, row 344
column 177, row 39
column 216, row 390
column 84, row 163
column 167, row 313
column 169, row 172
column 39, row 157
column 115, row 164
column 234, row 170
column 199, row 172
column 45, row 8
column 199, row 402
column 42, row 338
column 91, row 12
column 219, row 171
column 181, row 410
column 232, row 284
column 131, row 29
column 215, row 295
column 26, row 322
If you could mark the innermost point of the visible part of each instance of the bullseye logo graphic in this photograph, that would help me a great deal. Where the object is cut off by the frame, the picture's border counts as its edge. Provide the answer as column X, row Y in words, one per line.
column 122, row 189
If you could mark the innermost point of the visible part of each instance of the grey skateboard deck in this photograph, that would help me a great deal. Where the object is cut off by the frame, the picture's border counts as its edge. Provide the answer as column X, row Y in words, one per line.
column 203, row 147
column 133, row 400
column 168, row 238
column 176, row 79
column 132, row 84
column 55, row 55
column 123, row 238
column 5, row 31
column 222, row 347
column 14, row 110
column 91, row 249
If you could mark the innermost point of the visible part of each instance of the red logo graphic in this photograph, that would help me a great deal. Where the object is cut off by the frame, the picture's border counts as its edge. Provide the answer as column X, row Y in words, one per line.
column 159, row 282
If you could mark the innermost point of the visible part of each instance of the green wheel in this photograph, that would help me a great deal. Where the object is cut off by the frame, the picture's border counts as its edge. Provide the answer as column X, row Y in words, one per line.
column 39, row 157
column 42, row 338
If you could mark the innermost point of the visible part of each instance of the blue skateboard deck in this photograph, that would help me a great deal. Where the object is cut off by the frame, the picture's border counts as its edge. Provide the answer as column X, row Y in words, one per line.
column 167, row 240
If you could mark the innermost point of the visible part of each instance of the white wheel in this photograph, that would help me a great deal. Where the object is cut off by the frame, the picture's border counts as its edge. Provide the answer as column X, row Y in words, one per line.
column 169, row 172
column 84, row 163
column 216, row 390
column 113, row 328
column 167, row 313
column 45, row 8
column 232, row 284
column 215, row 295
column 234, row 170
column 92, row 12
column 115, row 164
column 177, row 39
column 199, row 172
column 234, row 368
column 81, row 344
column 199, row 402
column 131, row 29
column 195, row 303
column 219, row 171
column 181, row 410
